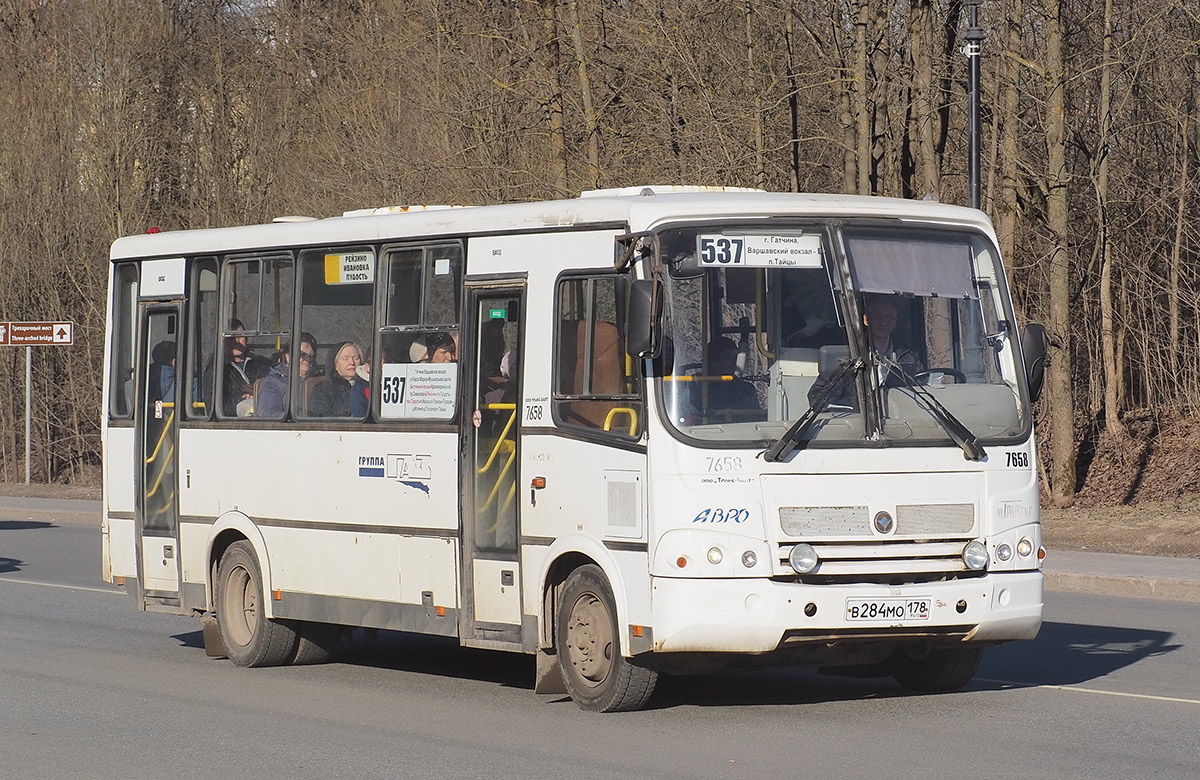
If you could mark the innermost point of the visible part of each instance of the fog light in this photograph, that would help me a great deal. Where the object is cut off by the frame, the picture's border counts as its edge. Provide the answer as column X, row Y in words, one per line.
column 715, row 555
column 1003, row 552
column 749, row 559
column 975, row 555
column 1024, row 548
column 803, row 558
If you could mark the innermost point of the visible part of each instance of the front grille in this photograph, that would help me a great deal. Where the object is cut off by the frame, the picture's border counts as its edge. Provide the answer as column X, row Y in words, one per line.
column 913, row 521
column 815, row 522
column 934, row 519
column 844, row 560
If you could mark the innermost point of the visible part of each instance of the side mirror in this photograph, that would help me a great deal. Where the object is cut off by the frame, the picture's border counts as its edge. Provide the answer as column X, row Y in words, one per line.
column 831, row 357
column 643, row 323
column 1033, row 350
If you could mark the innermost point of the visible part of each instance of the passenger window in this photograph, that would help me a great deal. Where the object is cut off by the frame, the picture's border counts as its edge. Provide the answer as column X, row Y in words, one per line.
column 596, row 383
column 124, row 342
column 256, row 323
column 419, row 335
column 202, row 352
column 337, row 306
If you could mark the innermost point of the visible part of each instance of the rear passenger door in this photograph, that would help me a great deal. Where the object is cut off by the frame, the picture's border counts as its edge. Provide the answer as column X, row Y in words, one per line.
column 491, row 598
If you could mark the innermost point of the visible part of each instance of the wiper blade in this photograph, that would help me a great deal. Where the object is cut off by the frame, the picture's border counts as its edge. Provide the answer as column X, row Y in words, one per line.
column 961, row 434
column 788, row 441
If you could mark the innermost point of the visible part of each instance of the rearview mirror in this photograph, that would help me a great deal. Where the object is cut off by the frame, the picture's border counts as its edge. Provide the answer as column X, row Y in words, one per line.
column 1033, row 350
column 643, row 322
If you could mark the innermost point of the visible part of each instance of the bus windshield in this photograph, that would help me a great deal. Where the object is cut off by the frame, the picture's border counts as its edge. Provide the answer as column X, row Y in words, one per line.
column 890, row 333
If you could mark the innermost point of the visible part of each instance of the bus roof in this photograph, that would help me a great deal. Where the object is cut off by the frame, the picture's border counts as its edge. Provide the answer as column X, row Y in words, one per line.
column 633, row 208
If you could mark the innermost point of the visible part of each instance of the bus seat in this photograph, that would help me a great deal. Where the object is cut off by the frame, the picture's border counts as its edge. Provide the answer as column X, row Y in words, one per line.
column 257, row 387
column 310, row 384
column 607, row 371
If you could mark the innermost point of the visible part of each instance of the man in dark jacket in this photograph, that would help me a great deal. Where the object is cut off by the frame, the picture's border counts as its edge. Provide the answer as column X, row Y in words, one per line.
column 880, row 316
column 242, row 368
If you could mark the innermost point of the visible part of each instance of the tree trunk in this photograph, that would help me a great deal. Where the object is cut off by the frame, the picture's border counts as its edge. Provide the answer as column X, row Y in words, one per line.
column 591, row 124
column 921, row 38
column 862, row 119
column 1060, row 395
column 1112, row 422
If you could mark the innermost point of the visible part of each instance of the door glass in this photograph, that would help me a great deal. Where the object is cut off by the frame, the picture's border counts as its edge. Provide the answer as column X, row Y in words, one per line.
column 497, row 403
column 158, row 462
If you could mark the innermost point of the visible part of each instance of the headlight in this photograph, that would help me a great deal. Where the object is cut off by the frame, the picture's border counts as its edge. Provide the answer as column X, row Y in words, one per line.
column 715, row 555
column 1024, row 548
column 975, row 555
column 804, row 558
column 1003, row 552
column 749, row 559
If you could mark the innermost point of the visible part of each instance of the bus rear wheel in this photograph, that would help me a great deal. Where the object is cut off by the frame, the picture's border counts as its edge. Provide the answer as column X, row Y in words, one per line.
column 597, row 676
column 250, row 638
column 938, row 670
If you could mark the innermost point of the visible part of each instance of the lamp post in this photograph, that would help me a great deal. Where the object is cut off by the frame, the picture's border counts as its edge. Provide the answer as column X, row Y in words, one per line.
column 972, row 50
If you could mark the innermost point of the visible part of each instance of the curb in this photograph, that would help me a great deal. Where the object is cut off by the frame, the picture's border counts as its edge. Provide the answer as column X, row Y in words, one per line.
column 1129, row 587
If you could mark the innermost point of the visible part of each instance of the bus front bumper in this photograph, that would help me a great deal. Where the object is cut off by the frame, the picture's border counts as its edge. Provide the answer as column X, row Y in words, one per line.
column 760, row 615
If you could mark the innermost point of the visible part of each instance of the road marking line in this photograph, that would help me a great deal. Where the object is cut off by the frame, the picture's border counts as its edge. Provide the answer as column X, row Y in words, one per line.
column 1150, row 697
column 61, row 586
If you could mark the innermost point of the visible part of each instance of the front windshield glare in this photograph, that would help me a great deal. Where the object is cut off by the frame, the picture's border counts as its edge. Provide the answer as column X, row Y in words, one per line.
column 757, row 326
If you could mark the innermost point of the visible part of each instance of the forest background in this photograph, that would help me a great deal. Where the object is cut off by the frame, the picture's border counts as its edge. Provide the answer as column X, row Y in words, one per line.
column 125, row 114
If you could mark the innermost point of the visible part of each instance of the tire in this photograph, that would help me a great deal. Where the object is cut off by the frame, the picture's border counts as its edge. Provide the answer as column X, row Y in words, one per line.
column 941, row 669
column 250, row 638
column 597, row 676
column 315, row 645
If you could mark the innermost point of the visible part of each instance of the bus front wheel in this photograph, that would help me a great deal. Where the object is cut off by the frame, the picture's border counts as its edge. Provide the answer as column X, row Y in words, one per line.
column 938, row 670
column 597, row 676
column 250, row 638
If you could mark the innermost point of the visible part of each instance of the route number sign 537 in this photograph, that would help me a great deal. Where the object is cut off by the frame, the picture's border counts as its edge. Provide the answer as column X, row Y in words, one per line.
column 721, row 250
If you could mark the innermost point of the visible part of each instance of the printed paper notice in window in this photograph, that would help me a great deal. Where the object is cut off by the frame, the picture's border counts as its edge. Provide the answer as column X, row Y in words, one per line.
column 424, row 391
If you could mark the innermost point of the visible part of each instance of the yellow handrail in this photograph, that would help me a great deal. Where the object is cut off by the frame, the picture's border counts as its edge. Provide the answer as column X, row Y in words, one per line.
column 503, row 434
column 166, row 429
column 613, row 412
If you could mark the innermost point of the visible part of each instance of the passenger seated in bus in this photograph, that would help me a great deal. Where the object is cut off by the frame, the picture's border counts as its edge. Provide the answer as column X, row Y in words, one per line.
column 242, row 367
column 880, row 316
column 344, row 393
column 721, row 388
column 161, row 377
column 438, row 347
column 273, row 393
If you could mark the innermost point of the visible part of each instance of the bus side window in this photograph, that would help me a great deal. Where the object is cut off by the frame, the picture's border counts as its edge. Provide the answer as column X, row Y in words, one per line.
column 124, row 342
column 420, row 325
column 202, row 339
column 596, row 383
column 256, row 323
column 337, row 306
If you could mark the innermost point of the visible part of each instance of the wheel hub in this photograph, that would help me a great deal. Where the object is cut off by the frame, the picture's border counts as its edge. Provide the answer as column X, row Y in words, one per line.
column 590, row 640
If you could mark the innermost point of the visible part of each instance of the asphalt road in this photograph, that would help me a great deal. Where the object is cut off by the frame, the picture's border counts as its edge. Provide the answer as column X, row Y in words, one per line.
column 89, row 687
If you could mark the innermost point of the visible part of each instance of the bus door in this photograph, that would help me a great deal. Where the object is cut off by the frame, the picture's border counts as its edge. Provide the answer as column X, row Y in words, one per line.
column 157, row 419
column 491, row 583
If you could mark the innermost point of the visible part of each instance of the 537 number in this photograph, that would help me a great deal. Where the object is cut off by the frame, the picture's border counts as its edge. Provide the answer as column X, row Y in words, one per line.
column 718, row 250
column 392, row 390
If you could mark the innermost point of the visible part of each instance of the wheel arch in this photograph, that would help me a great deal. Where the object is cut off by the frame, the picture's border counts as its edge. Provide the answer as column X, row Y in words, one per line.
column 231, row 527
column 564, row 557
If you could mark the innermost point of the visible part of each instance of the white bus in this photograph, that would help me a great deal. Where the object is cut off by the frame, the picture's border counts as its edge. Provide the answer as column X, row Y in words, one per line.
column 649, row 430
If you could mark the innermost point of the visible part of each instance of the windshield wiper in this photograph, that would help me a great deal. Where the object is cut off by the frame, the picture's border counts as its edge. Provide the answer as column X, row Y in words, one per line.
column 788, row 441
column 961, row 434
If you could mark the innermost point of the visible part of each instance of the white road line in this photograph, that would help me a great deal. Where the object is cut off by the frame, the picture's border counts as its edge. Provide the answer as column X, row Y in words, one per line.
column 112, row 591
column 1148, row 697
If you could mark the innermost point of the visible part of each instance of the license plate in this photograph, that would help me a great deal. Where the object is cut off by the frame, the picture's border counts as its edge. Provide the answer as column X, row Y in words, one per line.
column 887, row 609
